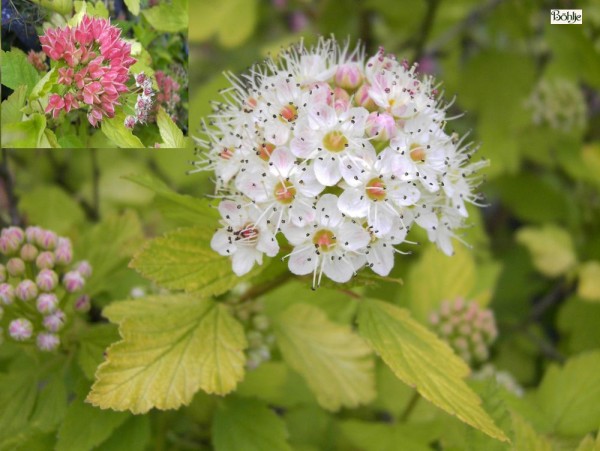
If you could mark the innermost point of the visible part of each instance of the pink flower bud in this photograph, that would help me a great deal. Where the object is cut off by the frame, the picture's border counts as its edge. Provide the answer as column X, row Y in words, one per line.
column 84, row 268
column 47, row 341
column 7, row 293
column 73, row 281
column 47, row 280
column 362, row 98
column 348, row 76
column 29, row 252
column 14, row 233
column 20, row 329
column 26, row 290
column 47, row 240
column 46, row 303
column 63, row 255
column 15, row 267
column 381, row 126
column 55, row 321
column 83, row 304
column 130, row 122
column 3, row 275
column 11, row 239
column 32, row 234
column 45, row 260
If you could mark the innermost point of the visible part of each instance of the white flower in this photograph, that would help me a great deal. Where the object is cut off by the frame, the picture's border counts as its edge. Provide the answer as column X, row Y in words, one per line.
column 329, row 245
column 244, row 237
column 380, row 252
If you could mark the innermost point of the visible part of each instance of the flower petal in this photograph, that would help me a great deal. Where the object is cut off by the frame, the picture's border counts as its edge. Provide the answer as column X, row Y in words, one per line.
column 302, row 262
column 354, row 203
column 327, row 170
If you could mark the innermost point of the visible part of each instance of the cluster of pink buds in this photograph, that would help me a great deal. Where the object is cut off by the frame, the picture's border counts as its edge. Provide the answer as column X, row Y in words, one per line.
column 467, row 328
column 258, row 331
column 143, row 103
column 39, row 285
column 167, row 95
column 37, row 60
column 93, row 64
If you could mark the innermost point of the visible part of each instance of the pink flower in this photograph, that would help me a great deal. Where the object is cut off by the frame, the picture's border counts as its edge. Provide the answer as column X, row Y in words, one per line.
column 98, row 63
column 55, row 104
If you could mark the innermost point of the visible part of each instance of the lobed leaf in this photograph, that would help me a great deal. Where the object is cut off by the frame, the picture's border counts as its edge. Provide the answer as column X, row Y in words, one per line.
column 17, row 71
column 172, row 346
column 551, row 248
column 336, row 363
column 423, row 361
column 171, row 135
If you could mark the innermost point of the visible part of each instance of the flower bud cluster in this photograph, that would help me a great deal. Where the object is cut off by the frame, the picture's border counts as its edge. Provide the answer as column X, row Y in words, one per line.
column 340, row 154
column 168, row 94
column 39, row 284
column 559, row 104
column 93, row 65
column 467, row 328
column 258, row 332
column 143, row 103
column 37, row 60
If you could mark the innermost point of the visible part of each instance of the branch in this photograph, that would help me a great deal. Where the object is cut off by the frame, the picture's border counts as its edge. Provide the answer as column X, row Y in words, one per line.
column 432, row 6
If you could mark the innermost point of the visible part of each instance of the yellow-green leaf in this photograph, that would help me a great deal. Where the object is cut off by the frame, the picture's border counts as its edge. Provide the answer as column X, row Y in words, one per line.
column 171, row 135
column 420, row 359
column 133, row 6
column 589, row 281
column 233, row 21
column 183, row 260
column 550, row 247
column 589, row 444
column 172, row 346
column 336, row 363
column 121, row 136
column 168, row 18
column 526, row 438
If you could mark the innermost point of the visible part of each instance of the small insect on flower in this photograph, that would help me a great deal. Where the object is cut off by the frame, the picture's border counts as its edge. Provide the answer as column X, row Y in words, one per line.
column 342, row 154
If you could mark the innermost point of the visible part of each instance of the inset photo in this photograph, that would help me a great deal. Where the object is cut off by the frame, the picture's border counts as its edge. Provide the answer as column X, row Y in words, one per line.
column 101, row 74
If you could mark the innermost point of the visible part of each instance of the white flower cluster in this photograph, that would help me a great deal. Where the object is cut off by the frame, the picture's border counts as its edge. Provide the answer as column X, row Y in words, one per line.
column 341, row 154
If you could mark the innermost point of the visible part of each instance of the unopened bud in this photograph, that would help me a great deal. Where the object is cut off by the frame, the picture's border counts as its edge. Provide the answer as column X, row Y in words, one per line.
column 84, row 268
column 45, row 260
column 26, row 290
column 29, row 252
column 381, row 126
column 20, row 329
column 55, row 321
column 63, row 255
column 46, row 280
column 47, row 239
column 47, row 303
column 47, row 341
column 7, row 293
column 16, row 267
column 130, row 122
column 83, row 304
column 362, row 98
column 73, row 281
column 348, row 76
column 8, row 246
column 32, row 233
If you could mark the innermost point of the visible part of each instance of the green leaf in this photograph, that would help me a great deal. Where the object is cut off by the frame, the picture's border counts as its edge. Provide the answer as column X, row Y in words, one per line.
column 133, row 6
column 171, row 135
column 51, row 405
column 248, row 425
column 179, row 207
column 18, row 392
column 63, row 7
column 570, row 396
column 336, row 363
column 92, row 343
column 589, row 444
column 578, row 325
column 44, row 85
column 133, row 435
column 168, row 18
column 50, row 206
column 11, row 107
column 368, row 436
column 423, row 361
column 526, row 438
column 447, row 278
column 179, row 260
column 108, row 246
column 27, row 134
column 172, row 346
column 233, row 21
column 85, row 427
column 588, row 287
column 550, row 247
column 17, row 71
column 115, row 130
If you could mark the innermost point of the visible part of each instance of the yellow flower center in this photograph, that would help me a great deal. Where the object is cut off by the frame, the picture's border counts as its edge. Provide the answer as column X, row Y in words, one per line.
column 289, row 113
column 285, row 192
column 265, row 150
column 325, row 240
column 417, row 153
column 376, row 189
column 335, row 141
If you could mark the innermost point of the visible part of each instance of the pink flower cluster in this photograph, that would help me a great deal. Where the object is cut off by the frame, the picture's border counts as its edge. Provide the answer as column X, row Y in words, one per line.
column 143, row 103
column 167, row 96
column 95, row 67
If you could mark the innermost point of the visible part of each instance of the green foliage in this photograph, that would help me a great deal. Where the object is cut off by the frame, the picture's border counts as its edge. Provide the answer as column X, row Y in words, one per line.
column 16, row 70
column 589, row 281
column 423, row 361
column 178, row 261
column 11, row 107
column 169, row 132
column 119, row 135
column 322, row 351
column 160, row 367
column 551, row 249
column 256, row 427
column 133, row 6
column 28, row 134
column 52, row 207
column 233, row 21
column 169, row 18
